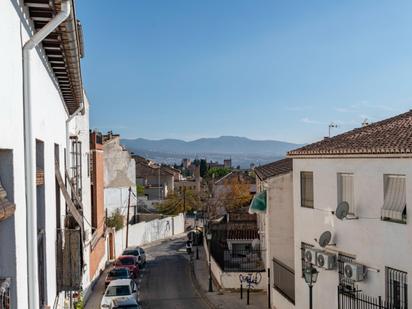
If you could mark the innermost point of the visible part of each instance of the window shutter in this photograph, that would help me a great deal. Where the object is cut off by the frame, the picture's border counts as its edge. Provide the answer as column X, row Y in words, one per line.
column 394, row 197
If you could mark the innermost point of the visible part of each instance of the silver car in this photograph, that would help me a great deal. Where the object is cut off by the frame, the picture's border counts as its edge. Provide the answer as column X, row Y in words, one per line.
column 138, row 252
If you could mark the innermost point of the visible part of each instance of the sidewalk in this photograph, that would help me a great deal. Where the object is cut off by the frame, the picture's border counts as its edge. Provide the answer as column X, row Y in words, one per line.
column 222, row 299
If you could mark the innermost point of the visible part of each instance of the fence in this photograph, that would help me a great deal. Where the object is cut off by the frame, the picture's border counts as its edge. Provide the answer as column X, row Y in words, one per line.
column 284, row 280
column 348, row 299
column 235, row 260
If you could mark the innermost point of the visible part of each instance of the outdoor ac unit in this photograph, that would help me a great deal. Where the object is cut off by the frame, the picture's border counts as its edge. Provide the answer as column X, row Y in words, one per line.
column 354, row 271
column 326, row 260
column 310, row 255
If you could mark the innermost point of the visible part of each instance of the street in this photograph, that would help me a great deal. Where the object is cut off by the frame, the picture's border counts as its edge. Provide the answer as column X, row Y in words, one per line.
column 166, row 281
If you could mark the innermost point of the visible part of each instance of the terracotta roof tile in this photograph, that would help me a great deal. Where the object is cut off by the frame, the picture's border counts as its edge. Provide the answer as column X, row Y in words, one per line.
column 275, row 168
column 389, row 136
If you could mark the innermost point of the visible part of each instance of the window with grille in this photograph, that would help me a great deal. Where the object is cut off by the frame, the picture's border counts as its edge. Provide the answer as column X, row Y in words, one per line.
column 396, row 288
column 345, row 191
column 394, row 205
column 284, row 280
column 76, row 166
column 306, row 189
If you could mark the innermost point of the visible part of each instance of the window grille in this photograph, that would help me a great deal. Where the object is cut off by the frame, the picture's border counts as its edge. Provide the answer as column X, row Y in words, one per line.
column 5, row 299
column 284, row 280
column 76, row 167
column 396, row 288
column 344, row 282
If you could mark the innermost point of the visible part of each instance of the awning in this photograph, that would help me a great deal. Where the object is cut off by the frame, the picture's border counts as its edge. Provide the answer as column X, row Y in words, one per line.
column 395, row 198
column 258, row 204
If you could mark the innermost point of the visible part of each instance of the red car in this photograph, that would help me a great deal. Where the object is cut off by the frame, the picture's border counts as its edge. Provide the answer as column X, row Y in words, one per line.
column 129, row 262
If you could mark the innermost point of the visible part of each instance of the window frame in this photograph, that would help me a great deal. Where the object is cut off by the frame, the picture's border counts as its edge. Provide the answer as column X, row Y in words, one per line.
column 303, row 201
column 386, row 178
column 340, row 175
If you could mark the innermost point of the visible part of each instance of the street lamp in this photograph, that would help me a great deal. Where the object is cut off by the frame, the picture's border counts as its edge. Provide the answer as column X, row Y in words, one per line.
column 311, row 275
column 209, row 239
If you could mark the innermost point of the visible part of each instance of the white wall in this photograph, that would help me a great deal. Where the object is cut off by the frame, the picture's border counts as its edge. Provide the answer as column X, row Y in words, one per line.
column 147, row 232
column 375, row 243
column 49, row 126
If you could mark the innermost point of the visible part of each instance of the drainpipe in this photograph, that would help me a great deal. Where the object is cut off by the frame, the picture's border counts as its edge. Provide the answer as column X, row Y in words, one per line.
column 30, row 156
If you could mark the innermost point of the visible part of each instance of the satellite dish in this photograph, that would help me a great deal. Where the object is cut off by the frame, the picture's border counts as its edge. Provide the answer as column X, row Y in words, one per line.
column 342, row 210
column 325, row 239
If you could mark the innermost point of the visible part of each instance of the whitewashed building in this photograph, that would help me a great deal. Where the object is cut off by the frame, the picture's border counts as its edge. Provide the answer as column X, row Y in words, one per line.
column 40, row 90
column 368, row 171
column 274, row 206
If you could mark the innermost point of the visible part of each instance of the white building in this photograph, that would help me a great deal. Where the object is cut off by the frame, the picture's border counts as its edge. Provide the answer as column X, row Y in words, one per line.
column 370, row 168
column 119, row 175
column 40, row 87
column 274, row 206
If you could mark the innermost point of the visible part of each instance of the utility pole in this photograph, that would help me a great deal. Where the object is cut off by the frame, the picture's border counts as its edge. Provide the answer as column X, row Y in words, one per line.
column 184, row 199
column 127, row 220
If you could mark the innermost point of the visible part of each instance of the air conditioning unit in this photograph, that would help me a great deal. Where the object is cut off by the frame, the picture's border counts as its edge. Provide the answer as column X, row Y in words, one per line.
column 310, row 255
column 326, row 260
column 354, row 271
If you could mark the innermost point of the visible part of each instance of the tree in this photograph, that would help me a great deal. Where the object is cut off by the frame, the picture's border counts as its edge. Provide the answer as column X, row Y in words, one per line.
column 139, row 189
column 218, row 172
column 181, row 201
column 203, row 167
column 116, row 220
column 237, row 194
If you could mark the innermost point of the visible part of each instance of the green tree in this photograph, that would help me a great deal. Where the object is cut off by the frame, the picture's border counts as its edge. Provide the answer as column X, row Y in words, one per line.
column 203, row 167
column 218, row 172
column 139, row 189
column 181, row 201
column 115, row 220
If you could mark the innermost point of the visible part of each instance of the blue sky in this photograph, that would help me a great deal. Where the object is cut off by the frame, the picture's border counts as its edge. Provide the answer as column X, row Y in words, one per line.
column 263, row 69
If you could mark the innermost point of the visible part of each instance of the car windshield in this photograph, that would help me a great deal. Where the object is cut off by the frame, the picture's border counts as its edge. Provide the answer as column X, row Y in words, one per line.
column 118, row 273
column 120, row 290
column 126, row 261
column 130, row 252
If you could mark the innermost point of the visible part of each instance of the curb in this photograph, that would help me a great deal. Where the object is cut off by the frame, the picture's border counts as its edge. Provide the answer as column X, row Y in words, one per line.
column 198, row 288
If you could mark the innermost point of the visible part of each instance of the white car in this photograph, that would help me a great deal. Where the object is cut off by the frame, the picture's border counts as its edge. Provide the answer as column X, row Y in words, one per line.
column 121, row 288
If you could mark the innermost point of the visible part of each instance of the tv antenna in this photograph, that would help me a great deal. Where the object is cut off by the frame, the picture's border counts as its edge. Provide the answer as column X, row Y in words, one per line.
column 332, row 125
column 325, row 239
column 342, row 211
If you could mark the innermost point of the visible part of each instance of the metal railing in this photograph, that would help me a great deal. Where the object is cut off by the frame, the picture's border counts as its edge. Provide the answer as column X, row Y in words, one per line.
column 396, row 287
column 5, row 302
column 235, row 260
column 284, row 280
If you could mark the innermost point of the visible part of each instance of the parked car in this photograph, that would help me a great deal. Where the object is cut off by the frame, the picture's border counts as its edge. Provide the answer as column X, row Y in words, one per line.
column 123, row 303
column 130, row 262
column 117, row 273
column 138, row 252
column 121, row 288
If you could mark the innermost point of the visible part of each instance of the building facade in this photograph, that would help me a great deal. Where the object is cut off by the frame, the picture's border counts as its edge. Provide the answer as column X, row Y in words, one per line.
column 274, row 182
column 354, row 190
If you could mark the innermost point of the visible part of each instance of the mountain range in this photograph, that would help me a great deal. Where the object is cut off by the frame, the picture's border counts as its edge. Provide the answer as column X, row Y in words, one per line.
column 242, row 150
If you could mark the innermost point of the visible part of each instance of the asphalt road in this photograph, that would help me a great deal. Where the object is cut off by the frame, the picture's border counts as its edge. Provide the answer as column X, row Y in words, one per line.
column 167, row 281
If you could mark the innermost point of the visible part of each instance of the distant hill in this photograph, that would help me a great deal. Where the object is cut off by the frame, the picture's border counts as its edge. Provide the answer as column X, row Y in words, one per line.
column 243, row 151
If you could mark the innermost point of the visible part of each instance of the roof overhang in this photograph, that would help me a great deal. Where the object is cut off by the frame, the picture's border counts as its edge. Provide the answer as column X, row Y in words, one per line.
column 63, row 49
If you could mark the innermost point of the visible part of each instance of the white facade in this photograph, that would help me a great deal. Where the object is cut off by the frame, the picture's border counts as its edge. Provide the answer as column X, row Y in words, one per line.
column 49, row 128
column 372, row 242
column 119, row 176
column 278, row 227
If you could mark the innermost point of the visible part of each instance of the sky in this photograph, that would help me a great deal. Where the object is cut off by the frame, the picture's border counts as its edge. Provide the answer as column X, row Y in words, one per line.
column 263, row 69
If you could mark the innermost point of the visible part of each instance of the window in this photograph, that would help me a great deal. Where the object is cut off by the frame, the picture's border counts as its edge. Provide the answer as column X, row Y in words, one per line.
column 394, row 205
column 345, row 190
column 306, row 189
column 284, row 280
column 396, row 288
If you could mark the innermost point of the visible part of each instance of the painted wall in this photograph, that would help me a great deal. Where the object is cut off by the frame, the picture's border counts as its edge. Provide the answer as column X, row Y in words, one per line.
column 146, row 232
column 375, row 243
column 278, row 227
column 49, row 118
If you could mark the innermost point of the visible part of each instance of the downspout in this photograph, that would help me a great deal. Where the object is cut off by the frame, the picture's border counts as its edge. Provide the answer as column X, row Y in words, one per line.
column 30, row 156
